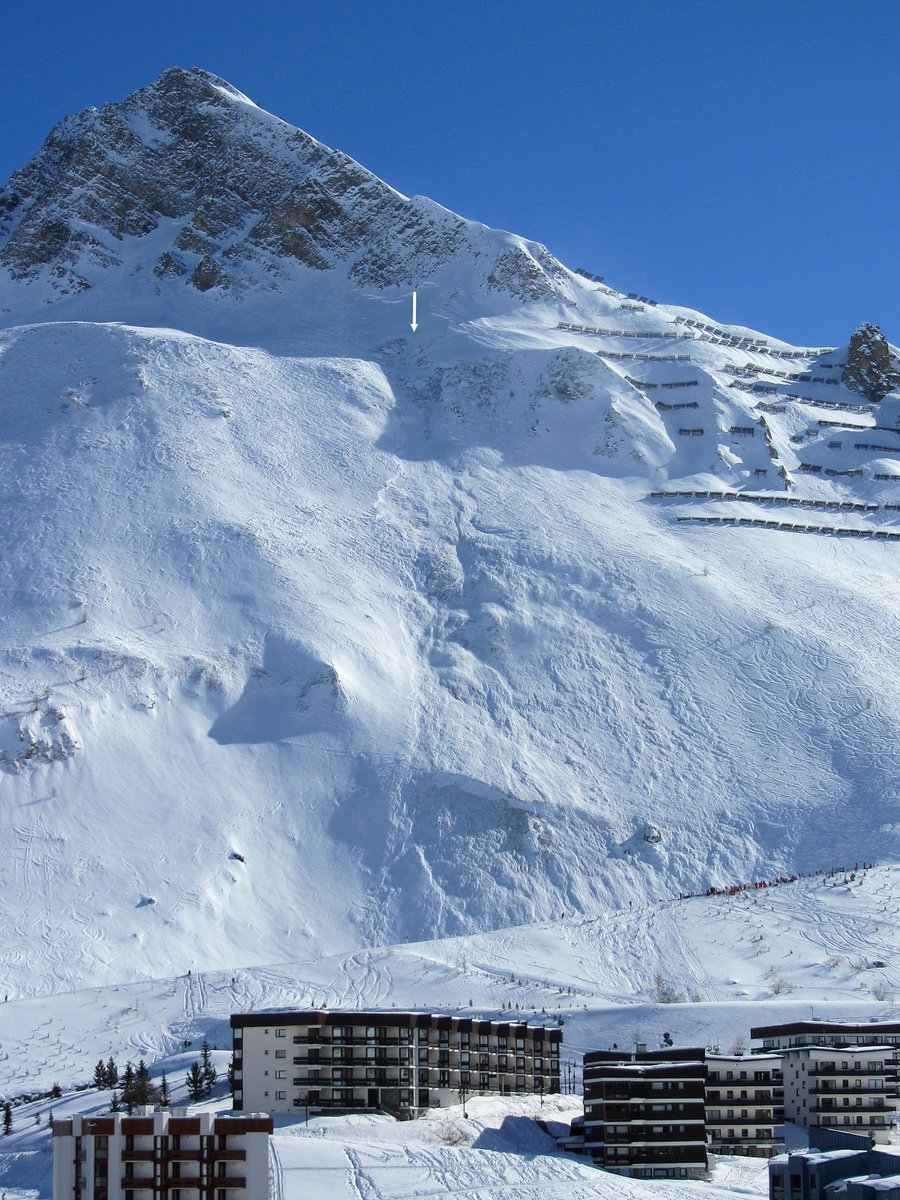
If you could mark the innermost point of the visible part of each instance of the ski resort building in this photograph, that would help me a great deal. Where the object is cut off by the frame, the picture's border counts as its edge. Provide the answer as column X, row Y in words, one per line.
column 192, row 1156
column 852, row 1088
column 744, row 1103
column 854, row 1171
column 824, row 1033
column 837, row 1075
column 657, row 1114
column 644, row 1113
column 401, row 1062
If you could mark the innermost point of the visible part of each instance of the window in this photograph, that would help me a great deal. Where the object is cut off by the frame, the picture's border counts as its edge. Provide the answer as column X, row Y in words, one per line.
column 281, row 1033
column 281, row 1074
column 281, row 1053
column 280, row 1095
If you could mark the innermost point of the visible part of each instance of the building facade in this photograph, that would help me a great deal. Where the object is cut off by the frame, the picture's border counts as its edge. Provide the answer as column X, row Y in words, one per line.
column 644, row 1113
column 400, row 1062
column 765, row 1038
column 744, row 1104
column 174, row 1155
column 840, row 1174
column 852, row 1088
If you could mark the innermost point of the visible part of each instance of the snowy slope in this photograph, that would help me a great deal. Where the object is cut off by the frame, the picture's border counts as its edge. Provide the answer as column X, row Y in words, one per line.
column 756, row 957
column 319, row 633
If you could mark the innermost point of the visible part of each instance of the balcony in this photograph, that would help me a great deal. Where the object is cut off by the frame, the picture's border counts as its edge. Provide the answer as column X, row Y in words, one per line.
column 851, row 1109
column 825, row 1089
column 137, row 1156
column 717, row 1123
column 686, row 1156
column 823, row 1069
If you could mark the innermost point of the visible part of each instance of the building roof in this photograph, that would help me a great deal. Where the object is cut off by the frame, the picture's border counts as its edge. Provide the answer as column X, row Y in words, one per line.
column 876, row 1048
column 391, row 1017
column 672, row 1054
column 830, row 1027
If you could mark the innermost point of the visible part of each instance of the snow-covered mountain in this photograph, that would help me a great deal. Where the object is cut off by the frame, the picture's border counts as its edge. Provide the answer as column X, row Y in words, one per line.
column 319, row 632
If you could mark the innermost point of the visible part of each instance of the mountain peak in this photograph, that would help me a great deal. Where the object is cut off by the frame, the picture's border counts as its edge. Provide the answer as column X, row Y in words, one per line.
column 193, row 84
column 191, row 184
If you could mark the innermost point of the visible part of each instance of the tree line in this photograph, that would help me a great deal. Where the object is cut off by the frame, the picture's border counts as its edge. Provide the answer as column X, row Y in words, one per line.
column 133, row 1086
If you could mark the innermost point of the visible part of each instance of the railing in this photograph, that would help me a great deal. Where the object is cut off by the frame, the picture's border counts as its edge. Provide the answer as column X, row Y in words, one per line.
column 836, row 1110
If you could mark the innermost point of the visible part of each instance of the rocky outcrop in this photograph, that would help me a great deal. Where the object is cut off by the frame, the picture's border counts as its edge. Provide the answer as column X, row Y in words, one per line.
column 869, row 370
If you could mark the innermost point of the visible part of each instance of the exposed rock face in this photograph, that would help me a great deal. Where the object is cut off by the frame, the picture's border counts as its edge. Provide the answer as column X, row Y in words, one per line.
column 233, row 197
column 869, row 370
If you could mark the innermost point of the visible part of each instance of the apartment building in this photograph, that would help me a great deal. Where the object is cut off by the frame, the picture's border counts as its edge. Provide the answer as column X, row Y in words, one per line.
column 744, row 1104
column 644, row 1113
column 402, row 1062
column 851, row 1087
column 171, row 1155
column 839, row 1174
column 765, row 1038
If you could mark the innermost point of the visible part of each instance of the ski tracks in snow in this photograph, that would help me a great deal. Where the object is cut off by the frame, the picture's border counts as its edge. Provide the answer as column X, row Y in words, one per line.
column 276, row 1190
column 195, row 996
column 360, row 982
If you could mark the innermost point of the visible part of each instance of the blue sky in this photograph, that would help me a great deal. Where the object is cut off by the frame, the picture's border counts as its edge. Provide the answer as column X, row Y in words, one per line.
column 741, row 157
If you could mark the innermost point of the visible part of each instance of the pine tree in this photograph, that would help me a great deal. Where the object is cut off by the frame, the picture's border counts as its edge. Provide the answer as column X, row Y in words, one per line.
column 99, row 1080
column 208, row 1071
column 164, row 1092
column 112, row 1073
column 56, row 1092
column 196, row 1087
column 114, row 1105
column 128, row 1088
column 230, row 1075
column 7, row 1118
column 143, row 1089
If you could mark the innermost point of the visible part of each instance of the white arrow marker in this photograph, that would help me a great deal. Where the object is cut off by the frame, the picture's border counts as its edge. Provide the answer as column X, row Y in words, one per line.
column 414, row 325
